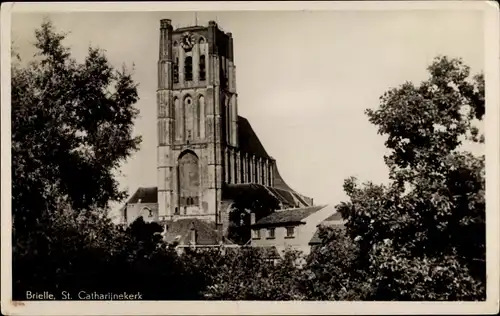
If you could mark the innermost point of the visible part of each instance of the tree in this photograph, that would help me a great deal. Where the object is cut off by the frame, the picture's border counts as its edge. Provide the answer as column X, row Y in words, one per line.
column 422, row 236
column 71, row 128
column 247, row 273
column 332, row 271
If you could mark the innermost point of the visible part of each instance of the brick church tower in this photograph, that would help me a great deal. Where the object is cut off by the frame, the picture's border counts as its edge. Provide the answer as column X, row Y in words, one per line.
column 206, row 153
column 197, row 119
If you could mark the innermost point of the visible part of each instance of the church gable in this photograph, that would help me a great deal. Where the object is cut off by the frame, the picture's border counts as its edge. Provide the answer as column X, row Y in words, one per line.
column 143, row 203
column 144, row 195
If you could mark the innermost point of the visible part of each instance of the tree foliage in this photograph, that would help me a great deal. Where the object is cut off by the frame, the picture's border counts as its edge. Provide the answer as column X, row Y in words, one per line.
column 333, row 271
column 423, row 234
column 250, row 274
column 71, row 128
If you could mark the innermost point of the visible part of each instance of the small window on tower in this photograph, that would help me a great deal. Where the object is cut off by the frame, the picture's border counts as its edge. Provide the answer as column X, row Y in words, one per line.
column 188, row 69
column 176, row 70
column 202, row 68
column 222, row 73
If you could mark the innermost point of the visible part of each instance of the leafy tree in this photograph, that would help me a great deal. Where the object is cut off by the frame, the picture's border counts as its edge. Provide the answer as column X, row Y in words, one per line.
column 71, row 128
column 422, row 236
column 332, row 271
column 248, row 274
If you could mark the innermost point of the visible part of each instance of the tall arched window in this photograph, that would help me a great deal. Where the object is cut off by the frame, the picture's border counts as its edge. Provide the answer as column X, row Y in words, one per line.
column 201, row 117
column 178, row 119
column 249, row 169
column 242, row 168
column 202, row 68
column 189, row 117
column 189, row 178
column 188, row 68
column 176, row 70
column 227, row 120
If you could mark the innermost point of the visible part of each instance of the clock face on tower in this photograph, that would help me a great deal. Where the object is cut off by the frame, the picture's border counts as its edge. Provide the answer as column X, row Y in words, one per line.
column 187, row 41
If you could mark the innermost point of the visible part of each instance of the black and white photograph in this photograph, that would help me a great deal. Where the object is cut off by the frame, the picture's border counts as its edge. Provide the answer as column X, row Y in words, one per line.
column 261, row 158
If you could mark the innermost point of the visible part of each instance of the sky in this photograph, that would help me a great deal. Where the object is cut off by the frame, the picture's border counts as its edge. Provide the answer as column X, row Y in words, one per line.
column 304, row 78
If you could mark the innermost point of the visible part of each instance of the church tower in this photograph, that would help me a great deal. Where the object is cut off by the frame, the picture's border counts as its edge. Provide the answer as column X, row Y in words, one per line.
column 208, row 156
column 197, row 119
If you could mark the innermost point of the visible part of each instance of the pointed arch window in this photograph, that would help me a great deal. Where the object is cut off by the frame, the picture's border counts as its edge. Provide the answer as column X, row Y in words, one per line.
column 179, row 117
column 249, row 169
column 242, row 168
column 198, row 118
column 176, row 70
column 201, row 117
column 188, row 179
column 227, row 120
column 188, row 68
column 202, row 68
column 189, row 118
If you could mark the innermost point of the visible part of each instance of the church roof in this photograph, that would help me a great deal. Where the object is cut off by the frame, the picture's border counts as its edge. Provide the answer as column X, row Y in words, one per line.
column 286, row 198
column 146, row 195
column 230, row 192
column 248, row 141
column 180, row 230
column 291, row 216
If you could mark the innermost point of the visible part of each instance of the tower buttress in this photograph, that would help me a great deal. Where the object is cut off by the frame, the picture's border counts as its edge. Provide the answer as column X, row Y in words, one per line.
column 165, row 123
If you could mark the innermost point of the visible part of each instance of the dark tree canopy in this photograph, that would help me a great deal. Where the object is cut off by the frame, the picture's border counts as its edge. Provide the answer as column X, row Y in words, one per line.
column 422, row 236
column 71, row 128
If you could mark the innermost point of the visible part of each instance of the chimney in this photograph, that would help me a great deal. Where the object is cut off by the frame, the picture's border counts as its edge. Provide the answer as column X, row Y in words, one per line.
column 252, row 218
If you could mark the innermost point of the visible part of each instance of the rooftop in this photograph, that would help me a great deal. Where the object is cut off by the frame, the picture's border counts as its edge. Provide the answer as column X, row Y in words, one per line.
column 290, row 216
column 180, row 231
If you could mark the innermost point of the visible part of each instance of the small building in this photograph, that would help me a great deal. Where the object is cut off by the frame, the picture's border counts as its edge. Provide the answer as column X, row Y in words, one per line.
column 294, row 228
